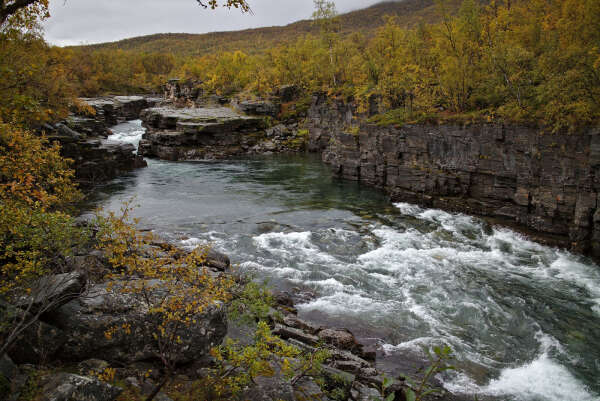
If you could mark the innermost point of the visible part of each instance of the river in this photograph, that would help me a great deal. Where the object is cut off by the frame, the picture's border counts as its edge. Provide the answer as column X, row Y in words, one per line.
column 522, row 318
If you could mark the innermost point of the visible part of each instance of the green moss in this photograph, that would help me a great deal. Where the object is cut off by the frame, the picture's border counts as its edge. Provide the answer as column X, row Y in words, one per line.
column 396, row 117
column 296, row 109
column 353, row 130
column 400, row 117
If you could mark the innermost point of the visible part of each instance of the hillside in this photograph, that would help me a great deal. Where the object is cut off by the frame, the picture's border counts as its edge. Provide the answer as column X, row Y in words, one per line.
column 408, row 12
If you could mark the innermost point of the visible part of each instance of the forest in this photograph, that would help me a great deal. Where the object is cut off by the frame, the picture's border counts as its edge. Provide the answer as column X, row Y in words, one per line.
column 516, row 61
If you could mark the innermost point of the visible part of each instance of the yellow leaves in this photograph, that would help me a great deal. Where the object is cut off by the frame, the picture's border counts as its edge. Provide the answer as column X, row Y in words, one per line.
column 33, row 172
column 169, row 285
column 107, row 375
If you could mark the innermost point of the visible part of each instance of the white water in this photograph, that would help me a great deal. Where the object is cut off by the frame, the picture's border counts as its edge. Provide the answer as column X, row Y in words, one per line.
column 128, row 132
column 418, row 273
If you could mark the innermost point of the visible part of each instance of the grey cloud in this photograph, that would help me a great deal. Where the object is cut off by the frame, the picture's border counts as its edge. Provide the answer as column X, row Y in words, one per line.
column 92, row 21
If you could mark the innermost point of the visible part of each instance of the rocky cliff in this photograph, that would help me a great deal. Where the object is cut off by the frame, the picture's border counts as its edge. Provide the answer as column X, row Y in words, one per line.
column 198, row 133
column 212, row 131
column 546, row 184
column 82, row 139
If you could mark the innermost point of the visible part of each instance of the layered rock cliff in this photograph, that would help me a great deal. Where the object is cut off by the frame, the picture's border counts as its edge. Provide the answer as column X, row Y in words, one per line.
column 545, row 183
column 198, row 133
column 215, row 132
column 82, row 139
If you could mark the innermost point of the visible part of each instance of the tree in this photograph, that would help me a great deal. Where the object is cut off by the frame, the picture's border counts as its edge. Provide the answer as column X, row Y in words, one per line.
column 22, row 13
column 26, row 10
column 170, row 286
column 326, row 17
column 35, row 235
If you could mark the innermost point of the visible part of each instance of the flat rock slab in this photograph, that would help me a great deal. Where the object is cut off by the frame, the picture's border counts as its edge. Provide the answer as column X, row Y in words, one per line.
column 198, row 133
column 112, row 101
column 191, row 119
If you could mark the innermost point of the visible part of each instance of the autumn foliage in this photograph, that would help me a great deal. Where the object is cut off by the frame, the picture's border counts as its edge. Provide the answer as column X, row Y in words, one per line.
column 516, row 61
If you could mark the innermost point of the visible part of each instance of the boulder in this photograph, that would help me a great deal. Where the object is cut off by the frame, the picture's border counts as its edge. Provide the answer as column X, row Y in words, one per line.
column 37, row 343
column 258, row 108
column 341, row 338
column 53, row 291
column 86, row 320
column 279, row 388
column 146, row 388
column 8, row 369
column 360, row 392
column 218, row 260
column 283, row 298
column 69, row 387
column 297, row 323
column 286, row 332
column 8, row 372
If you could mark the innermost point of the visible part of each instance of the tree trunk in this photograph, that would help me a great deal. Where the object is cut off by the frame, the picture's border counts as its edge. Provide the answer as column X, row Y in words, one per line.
column 160, row 386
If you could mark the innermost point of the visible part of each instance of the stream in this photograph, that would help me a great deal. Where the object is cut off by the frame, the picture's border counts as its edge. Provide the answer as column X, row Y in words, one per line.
column 522, row 318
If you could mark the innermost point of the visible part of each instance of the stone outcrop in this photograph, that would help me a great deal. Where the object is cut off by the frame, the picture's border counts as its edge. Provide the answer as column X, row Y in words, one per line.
column 69, row 387
column 86, row 320
column 258, row 107
column 545, row 183
column 117, row 109
column 178, row 90
column 96, row 161
column 82, row 139
column 198, row 133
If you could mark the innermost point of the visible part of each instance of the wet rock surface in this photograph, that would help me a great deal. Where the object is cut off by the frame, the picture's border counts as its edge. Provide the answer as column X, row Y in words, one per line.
column 545, row 183
column 350, row 368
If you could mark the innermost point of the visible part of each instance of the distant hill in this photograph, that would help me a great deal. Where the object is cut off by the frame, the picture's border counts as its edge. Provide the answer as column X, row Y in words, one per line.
column 409, row 13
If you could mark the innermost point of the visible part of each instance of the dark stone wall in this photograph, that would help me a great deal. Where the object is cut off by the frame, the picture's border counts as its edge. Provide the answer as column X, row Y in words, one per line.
column 539, row 182
column 82, row 139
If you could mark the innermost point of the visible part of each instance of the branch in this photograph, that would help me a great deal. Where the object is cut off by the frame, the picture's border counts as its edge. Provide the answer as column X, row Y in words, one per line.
column 9, row 9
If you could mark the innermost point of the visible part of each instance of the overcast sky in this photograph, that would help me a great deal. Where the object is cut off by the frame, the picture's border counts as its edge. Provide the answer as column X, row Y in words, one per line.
column 76, row 22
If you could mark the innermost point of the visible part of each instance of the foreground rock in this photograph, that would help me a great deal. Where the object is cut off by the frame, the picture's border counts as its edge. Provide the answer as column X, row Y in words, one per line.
column 68, row 387
column 51, row 292
column 349, row 373
column 86, row 320
column 38, row 342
